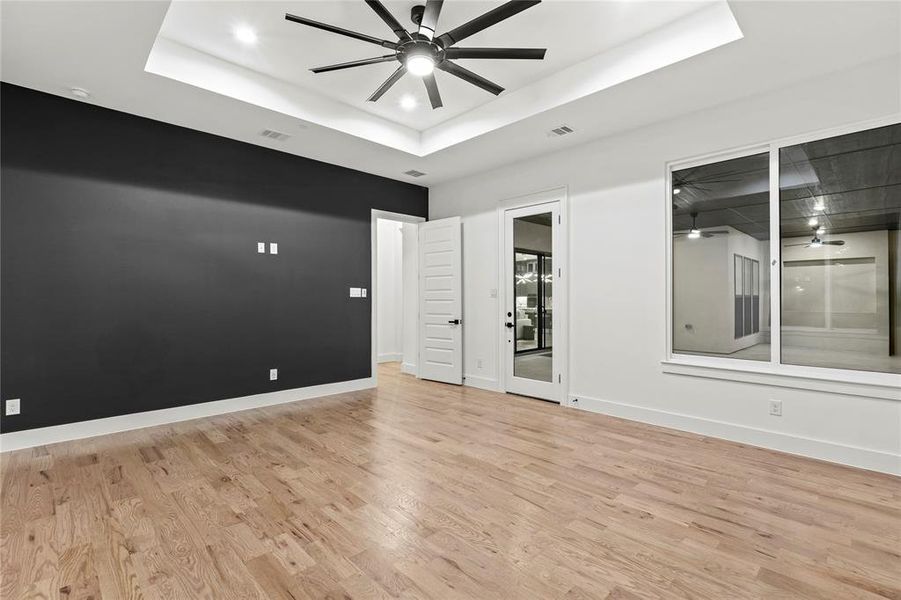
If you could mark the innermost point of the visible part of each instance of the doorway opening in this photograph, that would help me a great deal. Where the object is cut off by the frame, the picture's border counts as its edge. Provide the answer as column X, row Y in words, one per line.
column 395, row 290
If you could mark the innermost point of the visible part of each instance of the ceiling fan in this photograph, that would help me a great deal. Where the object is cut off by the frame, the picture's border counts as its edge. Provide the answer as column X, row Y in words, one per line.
column 420, row 52
column 816, row 242
column 695, row 233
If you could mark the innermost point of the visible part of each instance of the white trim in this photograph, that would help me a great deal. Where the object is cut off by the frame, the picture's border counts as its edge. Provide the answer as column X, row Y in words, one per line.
column 785, row 376
column 560, row 195
column 408, row 368
column 391, row 357
column 483, row 383
column 856, row 456
column 29, row 438
column 375, row 215
column 772, row 372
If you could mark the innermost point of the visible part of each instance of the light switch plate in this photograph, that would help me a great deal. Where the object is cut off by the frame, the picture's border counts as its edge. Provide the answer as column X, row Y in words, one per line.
column 363, row 292
column 776, row 408
column 273, row 248
column 261, row 247
column 356, row 292
column 273, row 374
column 13, row 407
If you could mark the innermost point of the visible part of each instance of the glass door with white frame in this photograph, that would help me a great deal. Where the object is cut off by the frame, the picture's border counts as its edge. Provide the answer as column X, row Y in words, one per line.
column 530, row 240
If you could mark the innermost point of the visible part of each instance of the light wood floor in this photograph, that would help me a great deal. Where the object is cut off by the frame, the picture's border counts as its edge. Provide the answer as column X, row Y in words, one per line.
column 420, row 490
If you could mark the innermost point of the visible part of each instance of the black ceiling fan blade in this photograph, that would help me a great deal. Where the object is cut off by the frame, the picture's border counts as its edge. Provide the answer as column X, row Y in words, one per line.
column 331, row 28
column 492, row 17
column 834, row 243
column 387, row 17
column 470, row 77
column 807, row 245
column 401, row 70
column 431, row 87
column 501, row 53
column 355, row 63
column 429, row 22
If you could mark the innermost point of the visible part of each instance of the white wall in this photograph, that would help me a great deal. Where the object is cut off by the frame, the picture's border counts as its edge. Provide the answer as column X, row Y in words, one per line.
column 617, row 206
column 410, row 297
column 390, row 301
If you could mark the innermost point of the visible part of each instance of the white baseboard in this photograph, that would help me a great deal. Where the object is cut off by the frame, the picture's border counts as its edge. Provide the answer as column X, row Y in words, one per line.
column 29, row 438
column 408, row 368
column 483, row 383
column 391, row 357
column 865, row 458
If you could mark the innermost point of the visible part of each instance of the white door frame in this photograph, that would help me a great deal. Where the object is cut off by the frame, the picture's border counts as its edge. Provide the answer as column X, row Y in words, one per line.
column 373, row 278
column 561, row 285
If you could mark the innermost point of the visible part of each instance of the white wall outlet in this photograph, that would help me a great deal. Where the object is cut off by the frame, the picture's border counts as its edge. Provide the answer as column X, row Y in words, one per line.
column 776, row 408
column 363, row 292
column 273, row 248
column 356, row 292
column 13, row 407
column 492, row 293
column 261, row 247
column 479, row 363
column 273, row 374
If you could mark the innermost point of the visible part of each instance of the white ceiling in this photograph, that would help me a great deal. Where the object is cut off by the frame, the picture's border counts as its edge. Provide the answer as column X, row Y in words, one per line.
column 104, row 47
column 286, row 51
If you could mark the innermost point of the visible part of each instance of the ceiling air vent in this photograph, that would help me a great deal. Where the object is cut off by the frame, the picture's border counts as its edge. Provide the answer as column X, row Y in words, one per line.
column 278, row 136
column 561, row 130
column 414, row 173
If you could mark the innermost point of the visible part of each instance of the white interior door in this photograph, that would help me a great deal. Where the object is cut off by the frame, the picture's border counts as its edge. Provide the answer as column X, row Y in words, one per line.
column 533, row 310
column 441, row 301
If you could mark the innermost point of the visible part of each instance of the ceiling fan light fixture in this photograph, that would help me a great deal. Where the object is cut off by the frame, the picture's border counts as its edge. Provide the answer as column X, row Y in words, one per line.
column 408, row 102
column 813, row 222
column 821, row 230
column 420, row 65
column 816, row 244
column 694, row 234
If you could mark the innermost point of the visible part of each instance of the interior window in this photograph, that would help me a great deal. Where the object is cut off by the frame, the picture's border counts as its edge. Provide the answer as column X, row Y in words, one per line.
column 721, row 231
column 840, row 205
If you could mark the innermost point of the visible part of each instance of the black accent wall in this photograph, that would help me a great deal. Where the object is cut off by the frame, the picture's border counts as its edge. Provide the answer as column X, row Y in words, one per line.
column 130, row 275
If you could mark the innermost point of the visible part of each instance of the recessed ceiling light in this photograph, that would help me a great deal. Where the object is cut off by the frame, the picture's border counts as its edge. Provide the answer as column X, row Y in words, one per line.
column 819, row 206
column 677, row 191
column 245, row 35
column 80, row 93
column 813, row 222
column 408, row 102
column 821, row 230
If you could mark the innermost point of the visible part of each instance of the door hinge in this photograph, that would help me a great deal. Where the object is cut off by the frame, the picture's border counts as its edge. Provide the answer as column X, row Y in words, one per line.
column 559, row 272
column 559, row 378
column 559, row 219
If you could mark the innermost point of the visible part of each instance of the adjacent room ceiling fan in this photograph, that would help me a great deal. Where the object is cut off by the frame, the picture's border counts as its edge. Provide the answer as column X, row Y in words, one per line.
column 695, row 233
column 816, row 242
column 420, row 52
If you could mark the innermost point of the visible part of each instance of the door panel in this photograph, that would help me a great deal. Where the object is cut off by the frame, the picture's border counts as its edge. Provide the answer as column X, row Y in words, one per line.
column 441, row 301
column 531, row 243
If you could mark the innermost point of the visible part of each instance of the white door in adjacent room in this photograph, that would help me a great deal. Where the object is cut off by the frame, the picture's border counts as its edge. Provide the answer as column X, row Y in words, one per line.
column 441, row 301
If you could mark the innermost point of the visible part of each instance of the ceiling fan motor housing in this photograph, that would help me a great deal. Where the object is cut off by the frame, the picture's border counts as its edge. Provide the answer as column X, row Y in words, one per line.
column 416, row 13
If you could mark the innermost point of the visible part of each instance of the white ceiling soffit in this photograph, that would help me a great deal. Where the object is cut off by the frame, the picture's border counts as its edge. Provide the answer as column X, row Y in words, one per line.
column 209, row 60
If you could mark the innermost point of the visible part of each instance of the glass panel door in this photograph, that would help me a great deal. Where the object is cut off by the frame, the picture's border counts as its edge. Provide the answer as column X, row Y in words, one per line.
column 533, row 296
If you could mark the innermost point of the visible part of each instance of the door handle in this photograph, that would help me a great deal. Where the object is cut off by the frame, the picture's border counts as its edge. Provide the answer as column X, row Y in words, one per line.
column 509, row 325
column 455, row 321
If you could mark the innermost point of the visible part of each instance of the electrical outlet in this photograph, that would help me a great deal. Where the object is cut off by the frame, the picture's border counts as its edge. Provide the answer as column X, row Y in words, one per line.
column 273, row 374
column 479, row 363
column 356, row 292
column 13, row 407
column 776, row 408
column 273, row 248
column 261, row 247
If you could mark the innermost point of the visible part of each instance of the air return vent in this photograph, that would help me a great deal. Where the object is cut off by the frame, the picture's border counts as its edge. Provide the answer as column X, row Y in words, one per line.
column 414, row 173
column 561, row 130
column 278, row 136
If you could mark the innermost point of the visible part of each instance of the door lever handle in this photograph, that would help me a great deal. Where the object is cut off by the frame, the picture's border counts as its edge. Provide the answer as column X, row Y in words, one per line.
column 509, row 325
column 455, row 321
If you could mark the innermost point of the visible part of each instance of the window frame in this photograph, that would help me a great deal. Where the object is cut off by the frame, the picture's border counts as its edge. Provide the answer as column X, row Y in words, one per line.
column 772, row 372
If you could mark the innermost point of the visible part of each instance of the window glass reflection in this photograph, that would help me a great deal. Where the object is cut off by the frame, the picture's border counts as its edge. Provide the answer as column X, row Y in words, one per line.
column 840, row 204
column 721, row 237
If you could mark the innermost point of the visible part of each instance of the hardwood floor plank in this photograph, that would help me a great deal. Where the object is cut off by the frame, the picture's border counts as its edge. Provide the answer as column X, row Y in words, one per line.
column 421, row 490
